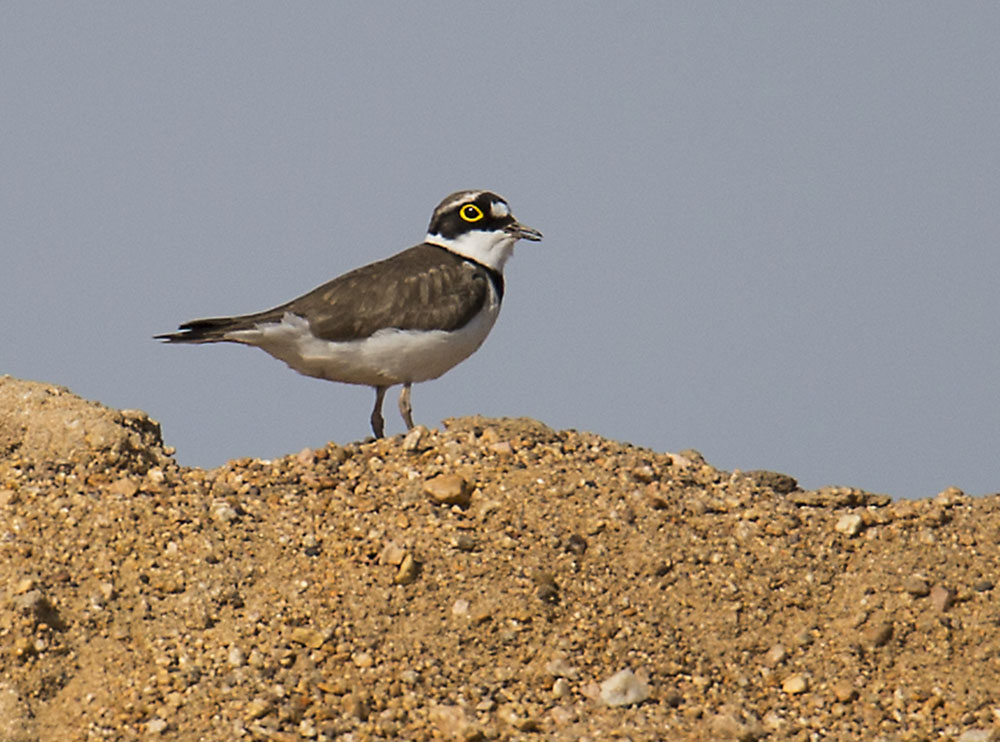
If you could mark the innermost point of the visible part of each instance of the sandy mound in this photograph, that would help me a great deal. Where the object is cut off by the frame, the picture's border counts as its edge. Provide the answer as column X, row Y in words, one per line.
column 494, row 580
column 47, row 425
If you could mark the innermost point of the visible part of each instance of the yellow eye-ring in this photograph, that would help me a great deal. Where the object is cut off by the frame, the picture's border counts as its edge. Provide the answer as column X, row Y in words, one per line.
column 471, row 213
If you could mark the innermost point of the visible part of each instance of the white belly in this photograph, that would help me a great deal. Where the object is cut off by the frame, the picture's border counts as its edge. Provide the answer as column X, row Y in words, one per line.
column 388, row 357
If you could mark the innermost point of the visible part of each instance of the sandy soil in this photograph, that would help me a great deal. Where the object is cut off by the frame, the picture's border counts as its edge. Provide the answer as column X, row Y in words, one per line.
column 494, row 580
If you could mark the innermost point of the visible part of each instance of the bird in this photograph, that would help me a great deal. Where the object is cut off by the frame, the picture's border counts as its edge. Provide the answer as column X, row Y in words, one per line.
column 406, row 319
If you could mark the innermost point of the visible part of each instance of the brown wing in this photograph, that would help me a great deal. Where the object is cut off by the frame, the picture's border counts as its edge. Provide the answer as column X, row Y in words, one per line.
column 423, row 288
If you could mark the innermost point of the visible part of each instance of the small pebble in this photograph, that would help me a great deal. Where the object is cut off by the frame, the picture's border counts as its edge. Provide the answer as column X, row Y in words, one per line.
column 236, row 658
column 307, row 728
column 562, row 715
column 257, row 708
column 32, row 602
column 450, row 721
column 408, row 570
column 124, row 487
column 733, row 723
column 644, row 474
column 849, row 525
column 256, row 659
column 413, row 439
column 976, row 735
column 449, row 489
column 156, row 725
column 624, row 688
column 949, row 496
column 560, row 668
column 916, row 585
column 392, row 553
column 223, row 512
column 795, row 684
column 843, row 690
column 308, row 636
column 775, row 655
column 518, row 717
column 502, row 448
column 878, row 634
column 942, row 597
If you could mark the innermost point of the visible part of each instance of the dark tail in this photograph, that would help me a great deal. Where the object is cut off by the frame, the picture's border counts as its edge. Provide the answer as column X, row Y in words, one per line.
column 211, row 330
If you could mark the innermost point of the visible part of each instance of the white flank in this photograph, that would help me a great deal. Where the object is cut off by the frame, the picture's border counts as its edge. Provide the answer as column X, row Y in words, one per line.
column 390, row 356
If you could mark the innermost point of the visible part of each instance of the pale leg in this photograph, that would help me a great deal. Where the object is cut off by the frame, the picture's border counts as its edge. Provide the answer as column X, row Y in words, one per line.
column 404, row 406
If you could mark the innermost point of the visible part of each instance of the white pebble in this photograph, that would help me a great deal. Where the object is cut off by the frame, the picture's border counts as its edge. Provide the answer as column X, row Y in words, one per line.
column 236, row 657
column 223, row 511
column 795, row 684
column 156, row 725
column 624, row 689
column 849, row 525
column 976, row 735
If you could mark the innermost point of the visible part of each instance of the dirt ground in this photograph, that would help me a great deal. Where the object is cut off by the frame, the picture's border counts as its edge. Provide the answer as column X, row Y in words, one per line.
column 494, row 580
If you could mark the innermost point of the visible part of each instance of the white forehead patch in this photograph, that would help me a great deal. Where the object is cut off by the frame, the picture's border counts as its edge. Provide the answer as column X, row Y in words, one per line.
column 499, row 210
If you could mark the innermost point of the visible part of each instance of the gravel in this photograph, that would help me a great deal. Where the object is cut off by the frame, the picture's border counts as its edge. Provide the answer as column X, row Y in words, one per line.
column 492, row 580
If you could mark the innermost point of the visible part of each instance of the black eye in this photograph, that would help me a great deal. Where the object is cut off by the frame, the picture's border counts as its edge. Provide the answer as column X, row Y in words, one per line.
column 471, row 213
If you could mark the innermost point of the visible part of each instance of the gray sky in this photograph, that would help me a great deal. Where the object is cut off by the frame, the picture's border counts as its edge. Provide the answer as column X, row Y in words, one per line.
column 771, row 230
